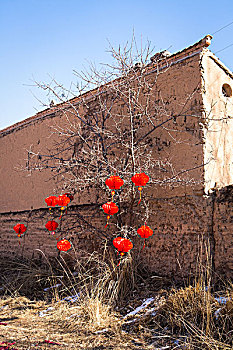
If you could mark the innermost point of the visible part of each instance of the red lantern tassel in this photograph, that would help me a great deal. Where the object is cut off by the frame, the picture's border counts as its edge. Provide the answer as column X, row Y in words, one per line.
column 144, row 244
column 140, row 191
column 108, row 217
column 112, row 193
column 121, row 254
column 62, row 208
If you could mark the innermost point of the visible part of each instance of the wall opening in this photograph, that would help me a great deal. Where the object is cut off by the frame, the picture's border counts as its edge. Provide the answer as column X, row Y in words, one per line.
column 226, row 90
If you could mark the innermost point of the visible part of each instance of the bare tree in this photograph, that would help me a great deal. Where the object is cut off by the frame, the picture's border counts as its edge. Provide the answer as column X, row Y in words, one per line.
column 111, row 120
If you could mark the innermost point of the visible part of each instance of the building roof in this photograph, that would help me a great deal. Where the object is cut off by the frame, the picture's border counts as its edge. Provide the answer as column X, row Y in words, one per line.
column 170, row 59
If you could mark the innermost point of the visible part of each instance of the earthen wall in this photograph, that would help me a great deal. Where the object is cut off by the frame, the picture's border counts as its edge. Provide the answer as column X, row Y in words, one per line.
column 183, row 227
column 179, row 141
column 217, row 123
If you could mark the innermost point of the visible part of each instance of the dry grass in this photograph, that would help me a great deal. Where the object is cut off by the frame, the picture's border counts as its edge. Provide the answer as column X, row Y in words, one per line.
column 89, row 323
column 72, row 326
column 191, row 313
column 186, row 318
column 196, row 315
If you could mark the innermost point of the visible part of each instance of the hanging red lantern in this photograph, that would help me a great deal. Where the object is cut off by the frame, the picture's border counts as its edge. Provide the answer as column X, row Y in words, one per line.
column 51, row 201
column 145, row 232
column 62, row 201
column 117, row 242
column 110, row 208
column 51, row 226
column 64, row 245
column 114, row 182
column 20, row 229
column 126, row 246
column 140, row 180
column 123, row 245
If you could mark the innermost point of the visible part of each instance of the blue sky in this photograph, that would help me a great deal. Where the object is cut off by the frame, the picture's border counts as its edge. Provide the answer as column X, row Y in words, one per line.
column 43, row 38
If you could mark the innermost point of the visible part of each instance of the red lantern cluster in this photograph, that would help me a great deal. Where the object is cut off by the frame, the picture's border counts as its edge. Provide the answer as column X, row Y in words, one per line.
column 110, row 209
column 62, row 200
column 114, row 182
column 64, row 245
column 123, row 245
column 51, row 225
column 145, row 232
column 140, row 180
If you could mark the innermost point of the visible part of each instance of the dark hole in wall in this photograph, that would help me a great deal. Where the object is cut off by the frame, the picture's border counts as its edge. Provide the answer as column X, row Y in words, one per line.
column 226, row 90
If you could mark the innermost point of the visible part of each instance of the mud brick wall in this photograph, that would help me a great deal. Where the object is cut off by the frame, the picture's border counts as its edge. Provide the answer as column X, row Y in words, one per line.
column 223, row 231
column 180, row 224
column 37, row 241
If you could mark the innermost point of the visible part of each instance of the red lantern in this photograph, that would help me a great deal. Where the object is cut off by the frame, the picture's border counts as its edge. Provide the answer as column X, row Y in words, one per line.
column 51, row 201
column 123, row 245
column 110, row 208
column 145, row 232
column 62, row 201
column 64, row 245
column 117, row 242
column 51, row 226
column 114, row 183
column 140, row 180
column 20, row 229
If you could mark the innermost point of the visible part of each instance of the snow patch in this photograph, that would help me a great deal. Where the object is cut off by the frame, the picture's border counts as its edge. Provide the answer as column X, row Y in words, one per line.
column 139, row 308
column 55, row 286
column 44, row 312
column 72, row 298
column 216, row 314
column 222, row 300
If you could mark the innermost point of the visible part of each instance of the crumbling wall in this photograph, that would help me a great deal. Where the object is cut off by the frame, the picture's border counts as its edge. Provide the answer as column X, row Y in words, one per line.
column 37, row 240
column 223, row 230
column 182, row 226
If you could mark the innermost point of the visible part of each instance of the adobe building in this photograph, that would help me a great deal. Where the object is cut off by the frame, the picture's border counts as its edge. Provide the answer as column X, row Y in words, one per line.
column 196, row 88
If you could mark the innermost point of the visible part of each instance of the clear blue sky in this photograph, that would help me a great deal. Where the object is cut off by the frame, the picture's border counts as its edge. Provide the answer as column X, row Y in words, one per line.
column 39, row 38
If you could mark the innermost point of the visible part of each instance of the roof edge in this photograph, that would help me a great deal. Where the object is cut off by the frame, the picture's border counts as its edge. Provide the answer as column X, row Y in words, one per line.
column 50, row 112
column 220, row 64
